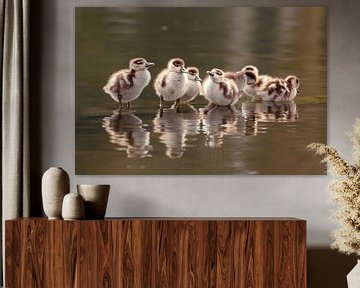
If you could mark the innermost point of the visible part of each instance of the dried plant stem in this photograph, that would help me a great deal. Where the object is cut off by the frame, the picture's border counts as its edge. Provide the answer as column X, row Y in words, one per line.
column 345, row 192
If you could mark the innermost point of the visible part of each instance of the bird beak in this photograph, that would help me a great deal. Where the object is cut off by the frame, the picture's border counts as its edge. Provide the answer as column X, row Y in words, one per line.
column 197, row 78
column 209, row 73
column 183, row 70
column 149, row 64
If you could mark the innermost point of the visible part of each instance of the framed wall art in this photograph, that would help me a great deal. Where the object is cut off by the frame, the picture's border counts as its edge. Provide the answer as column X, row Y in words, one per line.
column 199, row 91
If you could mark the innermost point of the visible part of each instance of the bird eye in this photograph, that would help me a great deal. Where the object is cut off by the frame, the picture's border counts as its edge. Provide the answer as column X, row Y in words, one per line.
column 218, row 73
column 139, row 62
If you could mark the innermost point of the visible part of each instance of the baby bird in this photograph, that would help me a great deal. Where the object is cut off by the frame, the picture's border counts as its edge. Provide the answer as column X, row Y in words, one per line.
column 292, row 83
column 277, row 89
column 274, row 89
column 252, row 89
column 171, row 83
column 193, row 85
column 126, row 85
column 220, row 90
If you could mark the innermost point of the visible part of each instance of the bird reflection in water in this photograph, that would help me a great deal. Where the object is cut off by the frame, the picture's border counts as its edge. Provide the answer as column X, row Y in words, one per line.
column 127, row 132
column 178, row 127
column 217, row 122
column 255, row 113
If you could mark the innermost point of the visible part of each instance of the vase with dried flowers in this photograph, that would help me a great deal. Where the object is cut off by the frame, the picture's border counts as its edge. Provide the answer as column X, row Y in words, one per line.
column 345, row 192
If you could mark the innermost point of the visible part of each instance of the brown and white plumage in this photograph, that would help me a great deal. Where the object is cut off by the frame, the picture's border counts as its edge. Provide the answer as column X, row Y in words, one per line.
column 220, row 90
column 252, row 89
column 274, row 89
column 270, row 88
column 293, row 84
column 126, row 85
column 242, row 78
column 278, row 89
column 193, row 85
column 251, row 68
column 171, row 83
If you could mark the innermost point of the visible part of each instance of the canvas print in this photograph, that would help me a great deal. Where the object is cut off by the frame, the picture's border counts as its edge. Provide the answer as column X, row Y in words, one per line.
column 199, row 91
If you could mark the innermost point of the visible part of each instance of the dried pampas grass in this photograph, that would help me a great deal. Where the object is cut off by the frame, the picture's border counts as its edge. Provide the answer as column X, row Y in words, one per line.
column 345, row 191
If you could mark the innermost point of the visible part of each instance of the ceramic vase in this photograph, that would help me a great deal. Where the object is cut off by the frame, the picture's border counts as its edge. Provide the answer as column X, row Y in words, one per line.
column 96, row 198
column 353, row 278
column 73, row 207
column 55, row 185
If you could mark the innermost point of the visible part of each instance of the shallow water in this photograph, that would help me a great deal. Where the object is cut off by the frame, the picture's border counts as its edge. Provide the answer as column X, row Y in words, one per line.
column 251, row 138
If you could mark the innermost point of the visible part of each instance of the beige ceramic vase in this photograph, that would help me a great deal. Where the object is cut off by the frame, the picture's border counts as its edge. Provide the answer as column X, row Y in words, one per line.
column 73, row 207
column 353, row 278
column 55, row 185
column 96, row 198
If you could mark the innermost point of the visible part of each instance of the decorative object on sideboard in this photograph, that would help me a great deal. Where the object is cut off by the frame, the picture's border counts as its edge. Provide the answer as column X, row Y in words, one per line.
column 96, row 198
column 73, row 207
column 345, row 191
column 353, row 278
column 55, row 185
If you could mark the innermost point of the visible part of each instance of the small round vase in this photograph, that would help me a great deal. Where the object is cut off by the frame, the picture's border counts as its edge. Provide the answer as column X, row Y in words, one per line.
column 96, row 198
column 73, row 207
column 55, row 185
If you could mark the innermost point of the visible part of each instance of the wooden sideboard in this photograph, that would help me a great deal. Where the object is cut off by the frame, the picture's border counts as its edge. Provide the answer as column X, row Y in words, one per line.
column 156, row 252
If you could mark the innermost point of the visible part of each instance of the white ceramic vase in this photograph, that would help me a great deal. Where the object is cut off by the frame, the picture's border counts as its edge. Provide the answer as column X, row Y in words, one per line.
column 55, row 185
column 73, row 207
column 353, row 278
column 96, row 198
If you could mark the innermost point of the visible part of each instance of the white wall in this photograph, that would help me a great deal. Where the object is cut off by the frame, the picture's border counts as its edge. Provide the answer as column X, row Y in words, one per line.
column 301, row 196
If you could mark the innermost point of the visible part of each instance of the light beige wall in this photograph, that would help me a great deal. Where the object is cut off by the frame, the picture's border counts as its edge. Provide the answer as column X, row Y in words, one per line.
column 53, row 119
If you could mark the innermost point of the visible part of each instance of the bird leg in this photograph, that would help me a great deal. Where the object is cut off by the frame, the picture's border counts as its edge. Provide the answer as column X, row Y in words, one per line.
column 161, row 101
column 209, row 107
column 128, row 106
column 177, row 103
column 120, row 102
column 231, row 108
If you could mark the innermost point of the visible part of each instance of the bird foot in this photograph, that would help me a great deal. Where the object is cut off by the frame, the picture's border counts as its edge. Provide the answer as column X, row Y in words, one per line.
column 161, row 102
column 161, row 112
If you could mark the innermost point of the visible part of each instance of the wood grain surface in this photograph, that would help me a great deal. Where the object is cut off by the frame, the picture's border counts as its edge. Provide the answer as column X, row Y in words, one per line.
column 137, row 253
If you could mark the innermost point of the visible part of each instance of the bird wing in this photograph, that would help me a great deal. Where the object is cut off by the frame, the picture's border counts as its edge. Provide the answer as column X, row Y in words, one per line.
column 229, row 89
column 119, row 81
column 225, row 88
column 230, row 75
column 161, row 79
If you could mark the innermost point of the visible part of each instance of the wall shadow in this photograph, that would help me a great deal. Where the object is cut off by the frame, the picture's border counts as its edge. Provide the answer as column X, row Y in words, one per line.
column 35, row 94
column 328, row 268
